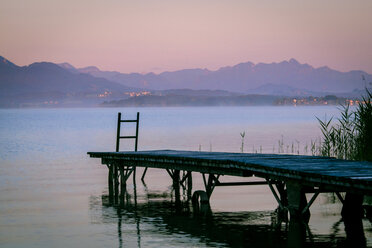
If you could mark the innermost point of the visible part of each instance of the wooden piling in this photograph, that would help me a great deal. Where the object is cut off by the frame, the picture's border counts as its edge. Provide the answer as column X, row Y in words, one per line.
column 134, row 175
column 352, row 207
column 189, row 185
column 352, row 213
column 283, row 211
column 297, row 201
column 176, row 186
column 296, row 233
column 116, row 183
column 123, row 186
column 110, row 182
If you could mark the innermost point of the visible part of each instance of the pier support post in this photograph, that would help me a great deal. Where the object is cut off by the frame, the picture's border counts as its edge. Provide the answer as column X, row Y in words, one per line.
column 176, row 186
column 352, row 207
column 116, row 183
column 186, row 184
column 296, row 233
column 189, row 185
column 352, row 214
column 282, row 193
column 297, row 201
column 125, row 172
column 134, row 175
column 282, row 211
column 177, row 182
column 110, row 182
column 210, row 184
column 123, row 185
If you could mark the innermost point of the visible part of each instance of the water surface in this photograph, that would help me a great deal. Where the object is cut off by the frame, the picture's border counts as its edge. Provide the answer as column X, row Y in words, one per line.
column 53, row 195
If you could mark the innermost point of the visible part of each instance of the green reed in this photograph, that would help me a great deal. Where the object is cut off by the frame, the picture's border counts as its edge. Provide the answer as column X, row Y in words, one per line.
column 351, row 137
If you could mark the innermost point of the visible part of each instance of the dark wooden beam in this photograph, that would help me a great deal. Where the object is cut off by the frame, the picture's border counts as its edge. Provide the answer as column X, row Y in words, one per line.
column 241, row 183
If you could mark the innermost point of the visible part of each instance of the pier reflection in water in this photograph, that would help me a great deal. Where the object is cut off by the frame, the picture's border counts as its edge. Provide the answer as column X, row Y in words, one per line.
column 157, row 221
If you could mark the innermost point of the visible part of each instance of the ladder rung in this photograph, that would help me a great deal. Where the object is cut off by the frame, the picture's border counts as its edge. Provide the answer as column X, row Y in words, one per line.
column 128, row 120
column 128, row 137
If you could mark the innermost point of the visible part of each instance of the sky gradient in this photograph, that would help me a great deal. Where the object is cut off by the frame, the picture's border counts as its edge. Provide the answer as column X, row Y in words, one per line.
column 161, row 35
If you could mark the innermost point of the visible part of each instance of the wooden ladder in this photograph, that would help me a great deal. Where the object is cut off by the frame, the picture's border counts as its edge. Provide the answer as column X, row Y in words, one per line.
column 118, row 137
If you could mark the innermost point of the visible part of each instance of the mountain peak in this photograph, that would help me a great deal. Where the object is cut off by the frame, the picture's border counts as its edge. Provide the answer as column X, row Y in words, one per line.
column 324, row 68
column 43, row 64
column 242, row 66
column 293, row 61
column 46, row 66
column 245, row 65
column 89, row 69
column 4, row 61
column 66, row 66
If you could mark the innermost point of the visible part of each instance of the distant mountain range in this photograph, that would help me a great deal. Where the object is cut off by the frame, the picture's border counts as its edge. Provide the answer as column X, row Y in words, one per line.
column 53, row 84
column 48, row 77
column 48, row 82
column 287, row 77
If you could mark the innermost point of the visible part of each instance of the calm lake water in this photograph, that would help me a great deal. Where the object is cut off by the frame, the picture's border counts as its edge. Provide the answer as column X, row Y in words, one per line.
column 53, row 195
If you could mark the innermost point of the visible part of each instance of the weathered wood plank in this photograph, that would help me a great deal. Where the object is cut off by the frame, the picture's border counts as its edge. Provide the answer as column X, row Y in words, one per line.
column 310, row 170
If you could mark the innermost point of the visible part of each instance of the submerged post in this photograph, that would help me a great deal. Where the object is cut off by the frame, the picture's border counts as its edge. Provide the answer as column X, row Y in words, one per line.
column 116, row 182
column 123, row 185
column 110, row 182
column 352, row 214
column 189, row 185
column 296, row 234
column 352, row 208
column 176, row 186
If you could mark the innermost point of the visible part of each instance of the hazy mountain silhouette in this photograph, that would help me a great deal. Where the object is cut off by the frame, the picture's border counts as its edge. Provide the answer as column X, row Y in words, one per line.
column 4, row 63
column 46, row 81
column 244, row 78
column 40, row 81
column 44, row 77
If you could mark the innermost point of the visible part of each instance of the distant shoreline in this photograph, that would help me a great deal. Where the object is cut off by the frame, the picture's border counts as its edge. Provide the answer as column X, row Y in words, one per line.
column 210, row 101
column 190, row 101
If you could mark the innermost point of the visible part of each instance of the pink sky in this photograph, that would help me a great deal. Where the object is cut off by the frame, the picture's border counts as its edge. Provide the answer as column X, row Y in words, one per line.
column 166, row 35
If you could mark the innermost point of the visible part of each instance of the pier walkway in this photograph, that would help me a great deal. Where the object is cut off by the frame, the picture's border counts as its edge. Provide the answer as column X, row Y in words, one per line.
column 289, row 177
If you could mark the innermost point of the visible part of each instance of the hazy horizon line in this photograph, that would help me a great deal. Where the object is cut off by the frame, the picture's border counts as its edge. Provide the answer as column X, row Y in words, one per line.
column 190, row 68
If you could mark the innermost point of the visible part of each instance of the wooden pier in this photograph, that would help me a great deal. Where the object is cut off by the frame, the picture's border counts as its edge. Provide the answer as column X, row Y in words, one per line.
column 289, row 177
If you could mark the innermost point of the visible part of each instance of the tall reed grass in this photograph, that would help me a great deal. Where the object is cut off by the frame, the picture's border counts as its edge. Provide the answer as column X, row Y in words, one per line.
column 351, row 137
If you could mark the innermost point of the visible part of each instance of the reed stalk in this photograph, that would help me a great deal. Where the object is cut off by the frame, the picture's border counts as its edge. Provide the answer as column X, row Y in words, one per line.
column 350, row 138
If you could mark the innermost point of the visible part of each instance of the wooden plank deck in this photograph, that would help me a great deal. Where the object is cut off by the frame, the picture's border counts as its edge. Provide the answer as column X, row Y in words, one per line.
column 329, row 174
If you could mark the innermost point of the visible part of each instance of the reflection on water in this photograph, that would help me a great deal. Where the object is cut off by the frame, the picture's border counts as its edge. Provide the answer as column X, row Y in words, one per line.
column 224, row 229
column 157, row 222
